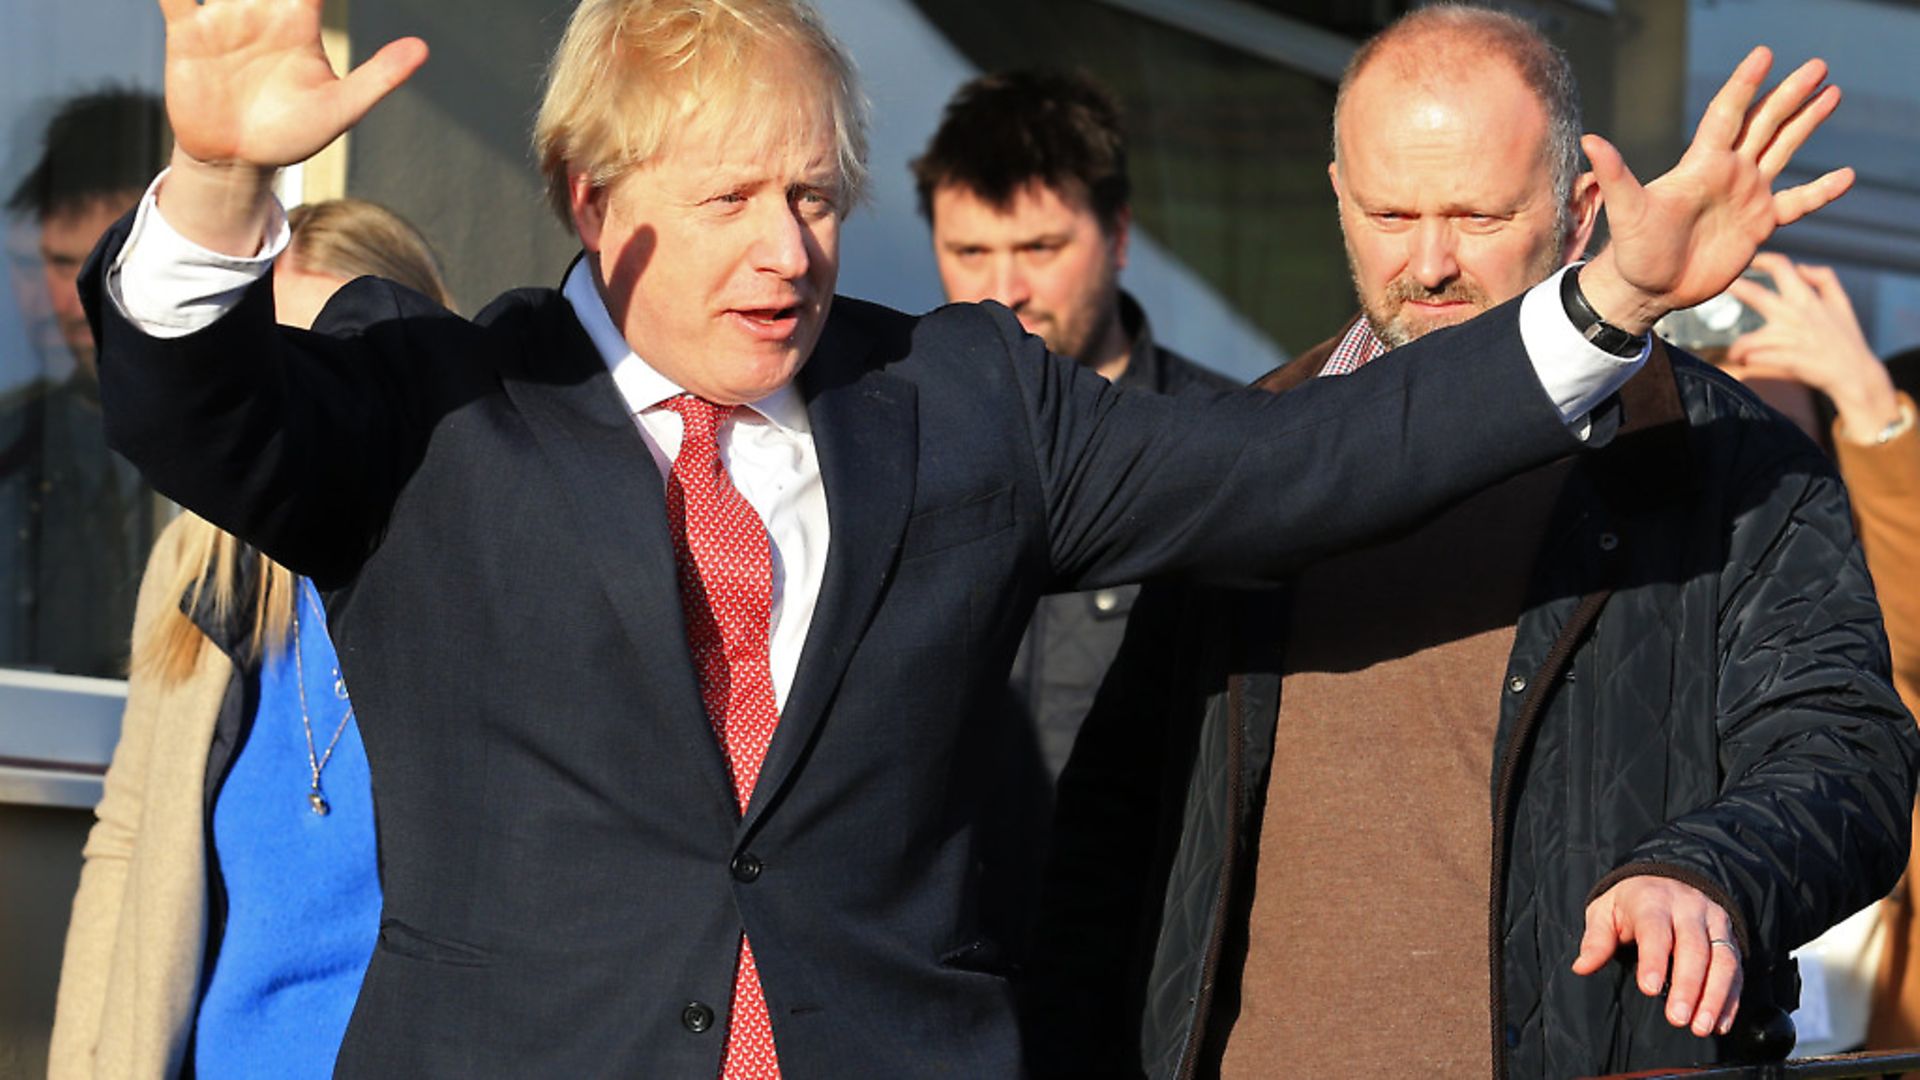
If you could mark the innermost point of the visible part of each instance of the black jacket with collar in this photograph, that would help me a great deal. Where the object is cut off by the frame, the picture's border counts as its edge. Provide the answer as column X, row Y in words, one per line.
column 1698, row 689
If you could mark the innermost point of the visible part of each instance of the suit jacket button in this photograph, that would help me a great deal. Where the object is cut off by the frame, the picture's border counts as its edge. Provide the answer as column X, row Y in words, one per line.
column 745, row 867
column 696, row 1017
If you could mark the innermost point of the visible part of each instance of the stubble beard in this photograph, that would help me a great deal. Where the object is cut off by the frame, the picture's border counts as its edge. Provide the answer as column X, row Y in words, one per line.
column 1081, row 340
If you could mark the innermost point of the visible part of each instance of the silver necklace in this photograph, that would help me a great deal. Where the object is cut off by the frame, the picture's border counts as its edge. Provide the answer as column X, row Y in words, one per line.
column 316, row 801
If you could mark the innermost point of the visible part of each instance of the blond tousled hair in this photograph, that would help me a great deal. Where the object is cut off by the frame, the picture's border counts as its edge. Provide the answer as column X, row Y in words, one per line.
column 629, row 73
column 345, row 237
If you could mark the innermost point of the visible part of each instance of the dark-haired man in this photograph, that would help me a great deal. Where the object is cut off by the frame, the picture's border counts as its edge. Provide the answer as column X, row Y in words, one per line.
column 98, row 153
column 1533, row 790
column 78, row 513
column 1025, row 187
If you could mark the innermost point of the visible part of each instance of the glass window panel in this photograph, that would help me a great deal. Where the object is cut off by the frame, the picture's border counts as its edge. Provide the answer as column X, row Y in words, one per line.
column 83, row 132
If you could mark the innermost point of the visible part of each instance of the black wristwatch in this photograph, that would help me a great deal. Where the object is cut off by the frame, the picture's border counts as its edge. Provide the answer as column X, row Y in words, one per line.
column 1603, row 334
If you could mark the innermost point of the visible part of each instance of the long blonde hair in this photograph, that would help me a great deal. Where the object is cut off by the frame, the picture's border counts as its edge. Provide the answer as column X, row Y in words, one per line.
column 345, row 237
column 207, row 569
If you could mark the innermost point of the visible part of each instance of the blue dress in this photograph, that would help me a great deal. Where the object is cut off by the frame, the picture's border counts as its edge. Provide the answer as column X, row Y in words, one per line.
column 303, row 888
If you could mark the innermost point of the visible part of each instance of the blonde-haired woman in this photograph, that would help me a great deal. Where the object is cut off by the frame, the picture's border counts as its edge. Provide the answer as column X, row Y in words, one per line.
column 230, row 897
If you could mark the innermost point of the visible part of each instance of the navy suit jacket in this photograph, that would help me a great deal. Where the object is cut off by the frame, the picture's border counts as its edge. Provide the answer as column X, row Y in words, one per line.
column 566, row 875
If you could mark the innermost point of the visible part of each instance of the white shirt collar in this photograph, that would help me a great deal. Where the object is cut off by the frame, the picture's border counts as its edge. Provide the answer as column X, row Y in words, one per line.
column 639, row 384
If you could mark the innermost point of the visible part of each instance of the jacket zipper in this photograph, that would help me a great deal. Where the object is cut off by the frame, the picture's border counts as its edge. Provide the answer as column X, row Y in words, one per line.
column 1544, row 680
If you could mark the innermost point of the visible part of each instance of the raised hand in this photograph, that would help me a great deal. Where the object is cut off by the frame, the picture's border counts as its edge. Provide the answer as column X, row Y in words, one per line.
column 1813, row 337
column 1683, row 238
column 249, row 89
column 248, row 83
column 1669, row 922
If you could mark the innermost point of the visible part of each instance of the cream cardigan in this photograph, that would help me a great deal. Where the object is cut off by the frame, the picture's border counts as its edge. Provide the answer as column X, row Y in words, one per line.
column 138, row 933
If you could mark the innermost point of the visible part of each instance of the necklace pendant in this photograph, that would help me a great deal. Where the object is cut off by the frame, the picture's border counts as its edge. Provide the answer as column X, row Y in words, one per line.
column 318, row 803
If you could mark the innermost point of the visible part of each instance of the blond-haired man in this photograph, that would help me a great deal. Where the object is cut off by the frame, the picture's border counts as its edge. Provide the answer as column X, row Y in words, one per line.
column 669, row 598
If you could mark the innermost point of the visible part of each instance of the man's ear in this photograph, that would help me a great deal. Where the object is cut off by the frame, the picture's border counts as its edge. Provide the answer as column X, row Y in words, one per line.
column 1584, row 209
column 1333, row 177
column 1122, row 233
column 588, row 203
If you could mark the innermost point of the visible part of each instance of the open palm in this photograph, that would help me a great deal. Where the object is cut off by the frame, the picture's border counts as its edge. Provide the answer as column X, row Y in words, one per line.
column 1680, row 239
column 248, row 83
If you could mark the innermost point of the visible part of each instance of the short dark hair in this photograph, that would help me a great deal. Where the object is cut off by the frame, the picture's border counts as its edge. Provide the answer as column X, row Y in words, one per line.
column 1006, row 130
column 100, row 144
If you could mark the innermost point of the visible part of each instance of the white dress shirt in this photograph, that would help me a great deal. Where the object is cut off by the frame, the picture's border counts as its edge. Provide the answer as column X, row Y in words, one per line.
column 767, row 448
column 169, row 287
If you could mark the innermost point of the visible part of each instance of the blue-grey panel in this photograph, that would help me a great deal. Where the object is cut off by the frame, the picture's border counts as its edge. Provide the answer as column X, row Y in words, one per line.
column 57, row 734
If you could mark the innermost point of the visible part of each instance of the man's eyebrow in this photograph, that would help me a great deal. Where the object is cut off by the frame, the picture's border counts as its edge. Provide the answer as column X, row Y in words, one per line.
column 1485, row 206
column 1033, row 240
column 825, row 175
column 1497, row 207
column 1372, row 200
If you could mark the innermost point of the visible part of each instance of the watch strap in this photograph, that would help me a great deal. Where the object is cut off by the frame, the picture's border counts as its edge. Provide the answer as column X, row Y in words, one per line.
column 1603, row 334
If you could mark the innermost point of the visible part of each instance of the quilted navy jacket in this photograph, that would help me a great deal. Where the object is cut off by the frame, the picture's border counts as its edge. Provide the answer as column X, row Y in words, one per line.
column 1708, row 698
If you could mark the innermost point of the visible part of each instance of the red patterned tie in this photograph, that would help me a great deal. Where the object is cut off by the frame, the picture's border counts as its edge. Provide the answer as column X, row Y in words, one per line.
column 726, row 593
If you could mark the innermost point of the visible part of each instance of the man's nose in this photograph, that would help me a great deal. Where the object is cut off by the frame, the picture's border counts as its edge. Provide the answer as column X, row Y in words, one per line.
column 1010, row 285
column 781, row 247
column 1433, row 261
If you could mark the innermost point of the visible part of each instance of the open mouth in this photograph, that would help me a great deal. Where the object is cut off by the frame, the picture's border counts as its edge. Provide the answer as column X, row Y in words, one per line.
column 771, row 323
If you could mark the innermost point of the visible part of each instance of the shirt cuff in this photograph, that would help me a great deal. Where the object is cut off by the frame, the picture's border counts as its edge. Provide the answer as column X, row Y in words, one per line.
column 168, row 286
column 1577, row 374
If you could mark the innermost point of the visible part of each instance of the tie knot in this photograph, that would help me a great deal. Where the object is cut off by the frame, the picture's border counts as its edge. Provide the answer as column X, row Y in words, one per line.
column 701, row 417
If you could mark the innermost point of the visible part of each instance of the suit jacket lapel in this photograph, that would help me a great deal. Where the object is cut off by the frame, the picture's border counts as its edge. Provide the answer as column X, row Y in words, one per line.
column 582, row 426
column 867, row 436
